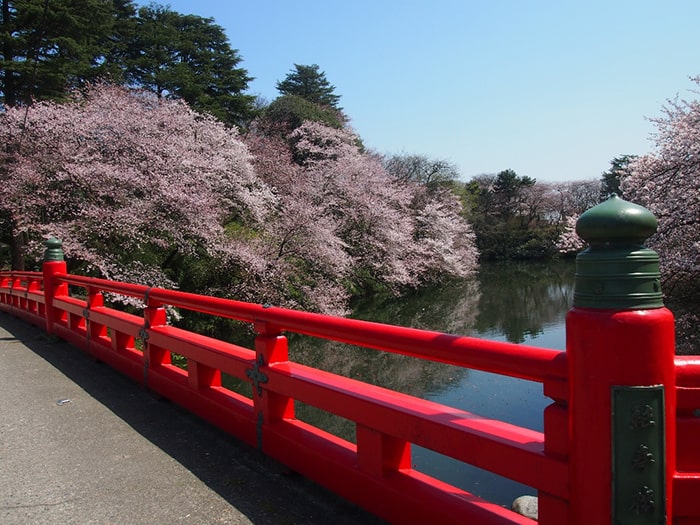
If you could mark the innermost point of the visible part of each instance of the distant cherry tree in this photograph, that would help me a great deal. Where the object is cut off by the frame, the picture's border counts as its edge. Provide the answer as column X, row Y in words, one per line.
column 568, row 241
column 373, row 228
column 370, row 211
column 667, row 181
column 300, row 259
column 568, row 200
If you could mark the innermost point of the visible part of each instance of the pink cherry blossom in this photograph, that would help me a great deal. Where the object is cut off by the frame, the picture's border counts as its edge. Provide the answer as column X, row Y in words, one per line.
column 131, row 183
column 667, row 182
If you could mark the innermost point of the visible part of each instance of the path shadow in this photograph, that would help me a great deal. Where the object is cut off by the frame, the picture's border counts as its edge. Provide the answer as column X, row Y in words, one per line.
column 265, row 491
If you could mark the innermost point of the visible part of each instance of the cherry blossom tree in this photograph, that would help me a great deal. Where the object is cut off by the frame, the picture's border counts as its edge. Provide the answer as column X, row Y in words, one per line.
column 145, row 190
column 129, row 182
column 568, row 201
column 667, row 182
column 569, row 241
column 344, row 218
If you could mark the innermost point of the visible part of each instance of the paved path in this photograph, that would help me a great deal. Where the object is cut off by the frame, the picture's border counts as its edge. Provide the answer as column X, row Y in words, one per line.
column 81, row 444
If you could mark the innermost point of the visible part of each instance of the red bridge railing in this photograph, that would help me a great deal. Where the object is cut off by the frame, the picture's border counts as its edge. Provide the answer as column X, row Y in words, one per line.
column 620, row 440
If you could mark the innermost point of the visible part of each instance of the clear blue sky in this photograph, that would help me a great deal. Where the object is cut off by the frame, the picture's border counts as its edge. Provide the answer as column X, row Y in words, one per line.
column 553, row 90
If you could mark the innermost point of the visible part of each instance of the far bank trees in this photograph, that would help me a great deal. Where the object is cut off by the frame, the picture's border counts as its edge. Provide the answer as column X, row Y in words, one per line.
column 517, row 217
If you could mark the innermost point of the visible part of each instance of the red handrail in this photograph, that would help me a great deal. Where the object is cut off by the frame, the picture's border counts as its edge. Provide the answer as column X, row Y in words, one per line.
column 524, row 362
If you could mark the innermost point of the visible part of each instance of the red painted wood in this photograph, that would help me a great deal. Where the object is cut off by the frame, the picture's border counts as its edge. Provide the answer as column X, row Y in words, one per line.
column 604, row 349
column 686, row 487
column 609, row 348
column 52, row 287
column 688, row 459
column 688, row 370
column 502, row 448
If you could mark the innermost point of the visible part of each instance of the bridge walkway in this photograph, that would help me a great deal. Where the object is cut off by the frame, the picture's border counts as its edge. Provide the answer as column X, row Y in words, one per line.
column 81, row 444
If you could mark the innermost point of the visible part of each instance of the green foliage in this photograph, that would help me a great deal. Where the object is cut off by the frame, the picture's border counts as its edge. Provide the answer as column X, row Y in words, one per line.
column 610, row 180
column 508, row 193
column 240, row 231
column 506, row 240
column 311, row 84
column 288, row 112
column 47, row 48
column 189, row 57
column 504, row 213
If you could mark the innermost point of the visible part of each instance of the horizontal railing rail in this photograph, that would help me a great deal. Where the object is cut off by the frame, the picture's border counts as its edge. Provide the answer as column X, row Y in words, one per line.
column 535, row 364
column 24, row 292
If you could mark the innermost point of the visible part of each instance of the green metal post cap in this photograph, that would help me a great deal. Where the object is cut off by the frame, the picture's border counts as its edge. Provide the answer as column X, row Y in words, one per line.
column 617, row 271
column 54, row 250
column 615, row 221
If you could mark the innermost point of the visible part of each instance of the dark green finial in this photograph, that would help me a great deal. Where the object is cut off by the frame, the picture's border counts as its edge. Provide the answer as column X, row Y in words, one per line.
column 617, row 271
column 54, row 250
column 616, row 221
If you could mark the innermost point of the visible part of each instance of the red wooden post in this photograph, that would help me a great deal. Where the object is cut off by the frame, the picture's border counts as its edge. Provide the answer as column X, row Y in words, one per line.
column 620, row 346
column 34, row 285
column 5, row 281
column 270, row 348
column 54, row 264
column 154, row 356
column 95, row 299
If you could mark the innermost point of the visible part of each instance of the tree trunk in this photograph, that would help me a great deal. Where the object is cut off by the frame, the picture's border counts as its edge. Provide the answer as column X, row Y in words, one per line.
column 17, row 256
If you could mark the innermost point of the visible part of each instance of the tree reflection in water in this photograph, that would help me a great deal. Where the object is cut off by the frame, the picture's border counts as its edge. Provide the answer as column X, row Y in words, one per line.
column 513, row 302
column 521, row 299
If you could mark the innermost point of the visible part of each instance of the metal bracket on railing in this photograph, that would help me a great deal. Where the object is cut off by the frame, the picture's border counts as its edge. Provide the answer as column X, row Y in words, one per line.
column 259, row 429
column 143, row 332
column 256, row 375
column 143, row 335
column 86, row 316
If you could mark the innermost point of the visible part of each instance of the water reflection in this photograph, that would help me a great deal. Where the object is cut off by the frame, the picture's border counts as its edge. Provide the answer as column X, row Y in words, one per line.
column 400, row 373
column 516, row 302
column 451, row 308
column 520, row 300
